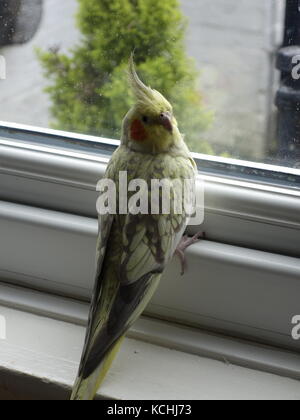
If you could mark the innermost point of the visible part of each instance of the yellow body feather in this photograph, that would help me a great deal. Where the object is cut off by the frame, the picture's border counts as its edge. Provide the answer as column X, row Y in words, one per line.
column 133, row 250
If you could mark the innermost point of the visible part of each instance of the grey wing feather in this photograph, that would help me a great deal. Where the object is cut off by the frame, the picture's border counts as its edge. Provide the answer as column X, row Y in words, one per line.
column 136, row 284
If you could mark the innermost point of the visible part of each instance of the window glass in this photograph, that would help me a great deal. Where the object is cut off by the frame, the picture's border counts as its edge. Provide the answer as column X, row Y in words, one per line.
column 230, row 68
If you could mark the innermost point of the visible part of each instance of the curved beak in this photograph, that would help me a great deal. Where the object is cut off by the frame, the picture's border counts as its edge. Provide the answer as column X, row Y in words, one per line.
column 165, row 119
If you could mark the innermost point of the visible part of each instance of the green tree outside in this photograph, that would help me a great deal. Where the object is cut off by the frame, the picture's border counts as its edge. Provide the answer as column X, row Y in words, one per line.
column 88, row 87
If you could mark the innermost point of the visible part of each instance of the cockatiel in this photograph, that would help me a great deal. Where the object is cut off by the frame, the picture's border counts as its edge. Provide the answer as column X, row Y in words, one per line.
column 133, row 249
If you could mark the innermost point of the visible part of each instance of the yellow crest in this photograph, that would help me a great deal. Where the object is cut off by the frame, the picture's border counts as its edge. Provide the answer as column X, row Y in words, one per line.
column 147, row 98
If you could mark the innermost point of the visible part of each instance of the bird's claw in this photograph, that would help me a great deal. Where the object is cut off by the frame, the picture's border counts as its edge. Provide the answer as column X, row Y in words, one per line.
column 185, row 243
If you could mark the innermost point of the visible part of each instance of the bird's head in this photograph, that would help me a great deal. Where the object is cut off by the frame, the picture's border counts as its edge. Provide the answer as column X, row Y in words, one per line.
column 150, row 125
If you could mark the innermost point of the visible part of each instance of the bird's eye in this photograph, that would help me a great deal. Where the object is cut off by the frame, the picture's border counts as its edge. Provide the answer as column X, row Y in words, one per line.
column 145, row 119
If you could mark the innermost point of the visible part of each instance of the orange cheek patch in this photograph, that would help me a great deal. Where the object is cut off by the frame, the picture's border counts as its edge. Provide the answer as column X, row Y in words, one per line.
column 137, row 131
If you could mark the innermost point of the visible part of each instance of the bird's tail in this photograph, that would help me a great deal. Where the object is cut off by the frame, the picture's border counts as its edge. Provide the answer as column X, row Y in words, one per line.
column 86, row 389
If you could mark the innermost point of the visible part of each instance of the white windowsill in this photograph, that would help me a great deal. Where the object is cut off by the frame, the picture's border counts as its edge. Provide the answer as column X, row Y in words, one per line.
column 39, row 358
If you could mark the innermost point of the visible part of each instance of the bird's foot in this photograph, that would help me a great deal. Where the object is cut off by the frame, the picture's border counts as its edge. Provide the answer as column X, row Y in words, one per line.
column 186, row 242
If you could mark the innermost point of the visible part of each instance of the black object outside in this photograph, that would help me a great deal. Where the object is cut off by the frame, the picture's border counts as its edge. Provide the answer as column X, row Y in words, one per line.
column 9, row 11
column 19, row 20
column 288, row 95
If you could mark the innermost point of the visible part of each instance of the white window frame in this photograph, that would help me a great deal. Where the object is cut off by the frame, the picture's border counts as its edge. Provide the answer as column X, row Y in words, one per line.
column 242, row 281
